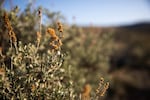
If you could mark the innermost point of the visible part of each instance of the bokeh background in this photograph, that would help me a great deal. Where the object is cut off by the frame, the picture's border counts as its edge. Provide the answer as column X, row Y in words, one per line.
column 103, row 38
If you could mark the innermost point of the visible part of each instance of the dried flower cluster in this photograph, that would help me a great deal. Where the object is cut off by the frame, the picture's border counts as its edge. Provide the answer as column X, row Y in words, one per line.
column 101, row 90
column 11, row 33
column 60, row 29
column 52, row 33
column 56, row 42
column 2, row 71
column 1, row 51
column 86, row 92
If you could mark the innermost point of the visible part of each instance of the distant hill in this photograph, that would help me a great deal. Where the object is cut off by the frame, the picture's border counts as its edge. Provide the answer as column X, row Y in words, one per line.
column 143, row 28
column 129, row 37
column 138, row 25
column 137, row 34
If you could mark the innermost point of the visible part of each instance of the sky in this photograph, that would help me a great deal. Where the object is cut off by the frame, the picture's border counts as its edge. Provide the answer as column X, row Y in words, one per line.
column 95, row 12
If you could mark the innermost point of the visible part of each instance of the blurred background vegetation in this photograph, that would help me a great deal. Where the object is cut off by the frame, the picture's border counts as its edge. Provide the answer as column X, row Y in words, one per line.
column 119, row 54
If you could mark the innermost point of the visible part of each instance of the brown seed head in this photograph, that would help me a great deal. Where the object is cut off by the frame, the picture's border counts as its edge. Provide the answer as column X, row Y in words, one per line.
column 59, row 43
column 33, row 87
column 2, row 71
column 11, row 33
column 7, row 22
column 103, row 91
column 86, row 92
column 54, row 46
column 40, row 12
column 60, row 27
column 51, row 31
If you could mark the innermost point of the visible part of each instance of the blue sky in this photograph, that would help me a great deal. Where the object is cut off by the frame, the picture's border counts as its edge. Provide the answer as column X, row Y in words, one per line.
column 96, row 12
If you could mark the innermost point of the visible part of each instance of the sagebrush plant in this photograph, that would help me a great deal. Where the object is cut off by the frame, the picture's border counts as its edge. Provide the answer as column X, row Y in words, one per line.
column 29, row 73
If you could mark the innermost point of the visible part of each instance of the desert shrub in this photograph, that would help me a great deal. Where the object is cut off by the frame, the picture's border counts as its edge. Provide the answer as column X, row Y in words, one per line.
column 34, row 70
